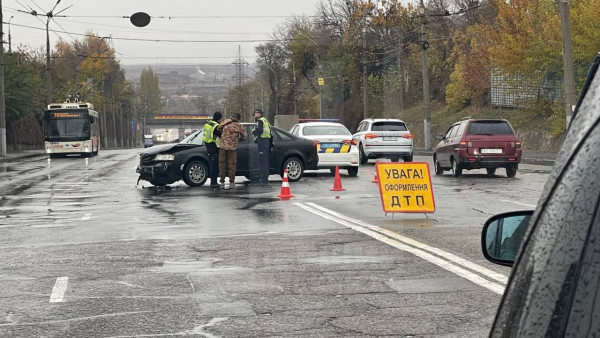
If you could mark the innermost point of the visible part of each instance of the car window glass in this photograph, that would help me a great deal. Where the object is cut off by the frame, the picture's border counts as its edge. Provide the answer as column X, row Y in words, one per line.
column 280, row 136
column 489, row 128
column 449, row 132
column 454, row 131
column 360, row 127
column 325, row 130
column 461, row 129
column 539, row 297
column 388, row 126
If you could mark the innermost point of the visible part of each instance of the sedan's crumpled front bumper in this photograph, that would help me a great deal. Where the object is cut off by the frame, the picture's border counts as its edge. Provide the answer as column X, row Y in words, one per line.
column 165, row 172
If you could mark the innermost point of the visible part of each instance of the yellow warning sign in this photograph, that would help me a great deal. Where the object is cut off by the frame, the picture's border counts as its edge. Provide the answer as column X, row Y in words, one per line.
column 405, row 187
column 321, row 81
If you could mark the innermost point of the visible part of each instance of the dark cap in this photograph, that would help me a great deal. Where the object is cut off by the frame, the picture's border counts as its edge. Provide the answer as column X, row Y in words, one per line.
column 258, row 111
column 217, row 116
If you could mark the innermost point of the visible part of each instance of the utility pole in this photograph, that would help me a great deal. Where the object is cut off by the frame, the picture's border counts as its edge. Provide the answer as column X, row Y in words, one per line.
column 426, row 102
column 2, row 106
column 48, row 79
column 569, row 72
column 365, row 72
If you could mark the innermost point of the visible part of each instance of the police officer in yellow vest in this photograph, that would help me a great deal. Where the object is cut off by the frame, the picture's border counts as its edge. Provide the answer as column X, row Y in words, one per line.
column 264, row 140
column 211, row 140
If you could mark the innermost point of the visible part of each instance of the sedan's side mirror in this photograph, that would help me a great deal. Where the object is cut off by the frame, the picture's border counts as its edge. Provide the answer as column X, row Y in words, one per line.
column 440, row 137
column 502, row 236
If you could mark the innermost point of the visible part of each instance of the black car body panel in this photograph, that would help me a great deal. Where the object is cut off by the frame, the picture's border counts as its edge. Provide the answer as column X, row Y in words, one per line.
column 285, row 146
column 554, row 286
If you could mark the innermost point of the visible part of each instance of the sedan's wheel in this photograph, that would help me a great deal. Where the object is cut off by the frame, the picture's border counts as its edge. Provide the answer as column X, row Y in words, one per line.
column 491, row 172
column 361, row 154
column 395, row 159
column 295, row 169
column 408, row 158
column 353, row 171
column 456, row 170
column 511, row 171
column 195, row 173
column 438, row 168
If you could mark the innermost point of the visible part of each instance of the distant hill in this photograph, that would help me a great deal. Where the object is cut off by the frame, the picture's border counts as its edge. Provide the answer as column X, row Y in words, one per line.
column 187, row 88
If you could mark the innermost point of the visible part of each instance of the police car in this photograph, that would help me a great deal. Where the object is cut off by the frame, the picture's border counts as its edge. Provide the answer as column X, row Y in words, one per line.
column 335, row 146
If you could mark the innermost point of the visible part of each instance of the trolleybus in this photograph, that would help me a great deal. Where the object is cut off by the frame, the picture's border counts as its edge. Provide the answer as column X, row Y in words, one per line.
column 71, row 128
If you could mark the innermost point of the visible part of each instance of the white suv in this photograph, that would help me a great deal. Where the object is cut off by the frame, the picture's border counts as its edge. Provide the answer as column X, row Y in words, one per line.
column 384, row 138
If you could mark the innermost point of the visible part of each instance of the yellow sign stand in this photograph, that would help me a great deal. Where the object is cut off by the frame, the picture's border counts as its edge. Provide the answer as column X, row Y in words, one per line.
column 405, row 187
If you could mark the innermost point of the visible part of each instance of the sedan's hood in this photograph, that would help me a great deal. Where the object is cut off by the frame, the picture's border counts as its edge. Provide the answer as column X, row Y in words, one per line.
column 159, row 149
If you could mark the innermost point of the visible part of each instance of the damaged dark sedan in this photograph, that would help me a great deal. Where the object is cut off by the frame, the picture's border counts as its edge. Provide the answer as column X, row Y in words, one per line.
column 188, row 159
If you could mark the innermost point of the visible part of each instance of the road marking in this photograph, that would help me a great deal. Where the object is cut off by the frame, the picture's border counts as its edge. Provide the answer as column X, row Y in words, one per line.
column 406, row 240
column 497, row 288
column 87, row 217
column 517, row 203
column 58, row 292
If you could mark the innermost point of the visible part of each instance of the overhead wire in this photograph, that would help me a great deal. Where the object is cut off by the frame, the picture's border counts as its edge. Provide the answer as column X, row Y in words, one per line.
column 165, row 40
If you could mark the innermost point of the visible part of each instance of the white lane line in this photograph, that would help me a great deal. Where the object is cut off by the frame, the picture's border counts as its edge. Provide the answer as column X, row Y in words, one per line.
column 87, row 217
column 58, row 292
column 518, row 203
column 406, row 240
column 497, row 288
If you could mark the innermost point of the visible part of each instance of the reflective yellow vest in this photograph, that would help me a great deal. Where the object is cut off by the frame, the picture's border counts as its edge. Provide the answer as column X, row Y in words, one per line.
column 209, row 128
column 266, row 133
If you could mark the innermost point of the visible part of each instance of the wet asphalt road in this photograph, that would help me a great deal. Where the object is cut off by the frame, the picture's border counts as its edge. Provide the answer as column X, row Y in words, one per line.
column 85, row 252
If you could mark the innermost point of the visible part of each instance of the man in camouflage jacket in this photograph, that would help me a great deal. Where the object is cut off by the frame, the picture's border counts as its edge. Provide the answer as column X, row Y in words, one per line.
column 231, row 132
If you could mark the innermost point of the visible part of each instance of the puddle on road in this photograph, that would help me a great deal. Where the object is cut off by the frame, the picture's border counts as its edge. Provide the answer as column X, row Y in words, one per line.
column 201, row 267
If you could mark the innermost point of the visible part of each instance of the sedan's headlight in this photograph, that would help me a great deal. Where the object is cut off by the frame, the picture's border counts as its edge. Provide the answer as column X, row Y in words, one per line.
column 164, row 157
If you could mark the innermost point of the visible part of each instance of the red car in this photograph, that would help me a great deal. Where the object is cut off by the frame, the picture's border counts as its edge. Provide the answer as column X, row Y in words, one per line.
column 478, row 144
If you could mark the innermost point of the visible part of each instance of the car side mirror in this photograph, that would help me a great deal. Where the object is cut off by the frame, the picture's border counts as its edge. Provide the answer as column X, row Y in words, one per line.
column 440, row 137
column 502, row 236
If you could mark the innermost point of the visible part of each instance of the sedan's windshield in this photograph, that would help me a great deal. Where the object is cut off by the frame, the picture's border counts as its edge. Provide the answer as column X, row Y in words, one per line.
column 325, row 130
column 194, row 138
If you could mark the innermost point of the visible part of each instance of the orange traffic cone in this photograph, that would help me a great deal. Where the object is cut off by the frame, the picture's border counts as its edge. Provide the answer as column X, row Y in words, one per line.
column 285, row 187
column 376, row 178
column 337, row 182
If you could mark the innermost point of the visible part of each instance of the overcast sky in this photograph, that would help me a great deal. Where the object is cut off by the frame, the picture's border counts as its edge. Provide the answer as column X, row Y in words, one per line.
column 236, row 22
